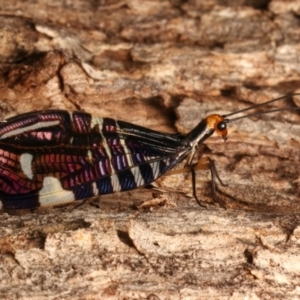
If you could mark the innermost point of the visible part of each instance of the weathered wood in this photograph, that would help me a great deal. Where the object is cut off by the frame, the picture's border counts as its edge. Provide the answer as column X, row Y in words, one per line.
column 164, row 65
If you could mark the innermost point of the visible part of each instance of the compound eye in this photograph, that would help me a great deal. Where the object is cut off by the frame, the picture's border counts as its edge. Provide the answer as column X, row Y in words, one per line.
column 221, row 126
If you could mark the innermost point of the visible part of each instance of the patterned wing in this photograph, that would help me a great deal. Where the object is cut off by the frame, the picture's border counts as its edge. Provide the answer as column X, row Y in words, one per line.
column 54, row 157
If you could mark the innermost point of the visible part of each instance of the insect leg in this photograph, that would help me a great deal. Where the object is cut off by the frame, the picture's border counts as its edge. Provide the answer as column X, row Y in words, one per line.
column 203, row 164
column 207, row 163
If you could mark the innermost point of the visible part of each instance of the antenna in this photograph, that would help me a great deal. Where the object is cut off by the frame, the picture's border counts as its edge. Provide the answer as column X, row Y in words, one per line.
column 260, row 113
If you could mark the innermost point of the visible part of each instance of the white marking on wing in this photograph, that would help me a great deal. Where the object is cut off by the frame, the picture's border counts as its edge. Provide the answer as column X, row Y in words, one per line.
column 155, row 169
column 90, row 155
column 26, row 164
column 71, row 117
column 114, row 178
column 95, row 189
column 52, row 193
column 139, row 181
column 134, row 170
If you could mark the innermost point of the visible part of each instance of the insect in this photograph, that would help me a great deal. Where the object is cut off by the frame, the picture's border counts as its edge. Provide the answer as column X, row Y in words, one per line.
column 54, row 157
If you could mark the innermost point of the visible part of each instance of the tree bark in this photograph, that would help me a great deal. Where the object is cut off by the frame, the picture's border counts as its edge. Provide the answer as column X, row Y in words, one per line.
column 164, row 65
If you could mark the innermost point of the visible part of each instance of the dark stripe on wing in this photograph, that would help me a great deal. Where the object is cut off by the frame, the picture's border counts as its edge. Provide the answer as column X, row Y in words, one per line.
column 146, row 172
column 104, row 185
column 127, row 180
column 27, row 201
column 83, row 191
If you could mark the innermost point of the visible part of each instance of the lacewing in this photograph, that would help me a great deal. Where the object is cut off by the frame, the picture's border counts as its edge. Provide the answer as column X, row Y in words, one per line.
column 54, row 157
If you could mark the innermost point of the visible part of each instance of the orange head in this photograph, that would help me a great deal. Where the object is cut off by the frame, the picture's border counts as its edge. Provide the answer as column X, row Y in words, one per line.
column 217, row 123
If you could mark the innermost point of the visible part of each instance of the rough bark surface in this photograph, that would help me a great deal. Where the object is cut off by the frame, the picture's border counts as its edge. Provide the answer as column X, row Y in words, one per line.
column 163, row 65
